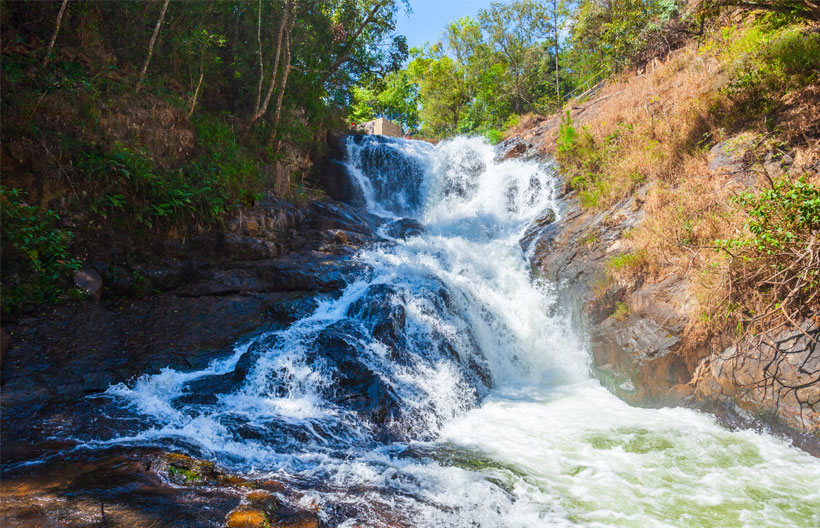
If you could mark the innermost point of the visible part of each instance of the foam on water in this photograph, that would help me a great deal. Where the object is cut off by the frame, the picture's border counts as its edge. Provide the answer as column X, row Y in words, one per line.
column 494, row 419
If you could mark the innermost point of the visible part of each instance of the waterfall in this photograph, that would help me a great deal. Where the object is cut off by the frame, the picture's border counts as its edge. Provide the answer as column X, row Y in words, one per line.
column 443, row 386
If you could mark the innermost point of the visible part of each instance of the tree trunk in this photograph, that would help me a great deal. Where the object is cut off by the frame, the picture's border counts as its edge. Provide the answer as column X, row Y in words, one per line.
column 199, row 84
column 56, row 31
column 273, row 135
column 555, row 30
column 264, row 108
column 151, row 44
column 261, row 66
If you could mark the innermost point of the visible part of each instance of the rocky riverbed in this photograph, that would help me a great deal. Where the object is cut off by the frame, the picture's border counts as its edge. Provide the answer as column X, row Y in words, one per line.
column 317, row 365
column 269, row 268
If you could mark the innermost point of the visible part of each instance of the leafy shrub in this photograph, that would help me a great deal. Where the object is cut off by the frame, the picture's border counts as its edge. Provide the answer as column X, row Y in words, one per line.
column 775, row 268
column 511, row 121
column 37, row 263
column 127, row 188
column 567, row 136
column 765, row 63
column 494, row 136
column 782, row 215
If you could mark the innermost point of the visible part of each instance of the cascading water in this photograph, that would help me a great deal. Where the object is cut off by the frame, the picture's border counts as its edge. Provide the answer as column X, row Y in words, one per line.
column 443, row 387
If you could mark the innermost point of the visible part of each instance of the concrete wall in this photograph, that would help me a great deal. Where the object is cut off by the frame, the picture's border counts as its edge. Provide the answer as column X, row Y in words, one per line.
column 386, row 128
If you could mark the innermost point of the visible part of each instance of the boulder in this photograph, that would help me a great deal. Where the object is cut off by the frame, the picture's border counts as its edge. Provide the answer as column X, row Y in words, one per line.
column 403, row 228
column 356, row 385
column 89, row 281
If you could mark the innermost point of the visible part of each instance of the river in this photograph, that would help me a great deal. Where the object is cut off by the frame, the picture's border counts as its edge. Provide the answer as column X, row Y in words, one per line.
column 445, row 386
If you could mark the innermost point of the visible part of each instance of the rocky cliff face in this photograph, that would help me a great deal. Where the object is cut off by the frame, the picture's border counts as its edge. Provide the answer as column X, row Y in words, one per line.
column 639, row 328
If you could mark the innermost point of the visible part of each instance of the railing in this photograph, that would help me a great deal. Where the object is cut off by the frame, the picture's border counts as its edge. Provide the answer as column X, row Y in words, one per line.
column 589, row 88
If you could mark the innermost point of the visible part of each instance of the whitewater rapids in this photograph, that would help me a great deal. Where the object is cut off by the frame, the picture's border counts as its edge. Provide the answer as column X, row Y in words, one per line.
column 488, row 414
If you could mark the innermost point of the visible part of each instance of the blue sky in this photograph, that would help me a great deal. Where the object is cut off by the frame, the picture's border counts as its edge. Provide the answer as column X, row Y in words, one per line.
column 429, row 17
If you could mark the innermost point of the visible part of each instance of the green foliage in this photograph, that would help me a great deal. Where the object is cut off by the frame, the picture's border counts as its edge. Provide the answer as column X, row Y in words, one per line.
column 487, row 71
column 766, row 62
column 783, row 215
column 585, row 160
column 184, row 475
column 362, row 105
column 581, row 158
column 203, row 192
column 37, row 262
column 511, row 121
column 606, row 36
column 627, row 261
column 519, row 57
column 774, row 268
column 395, row 97
column 494, row 136
column 621, row 312
column 567, row 136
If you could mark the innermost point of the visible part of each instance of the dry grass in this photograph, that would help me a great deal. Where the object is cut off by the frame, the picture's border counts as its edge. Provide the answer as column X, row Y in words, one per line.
column 657, row 130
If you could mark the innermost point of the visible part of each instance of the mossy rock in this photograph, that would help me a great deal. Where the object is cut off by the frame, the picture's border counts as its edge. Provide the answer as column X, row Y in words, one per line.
column 245, row 517
column 182, row 469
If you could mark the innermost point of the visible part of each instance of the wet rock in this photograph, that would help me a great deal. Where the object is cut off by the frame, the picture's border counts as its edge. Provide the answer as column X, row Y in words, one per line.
column 312, row 271
column 332, row 175
column 5, row 338
column 114, row 343
column 118, row 489
column 384, row 316
column 637, row 327
column 338, row 183
column 163, row 278
column 89, row 281
column 404, row 228
column 303, row 520
column 324, row 215
column 536, row 230
column 292, row 306
column 225, row 282
column 140, row 487
column 641, row 356
column 355, row 385
column 513, row 147
column 247, row 517
column 184, row 470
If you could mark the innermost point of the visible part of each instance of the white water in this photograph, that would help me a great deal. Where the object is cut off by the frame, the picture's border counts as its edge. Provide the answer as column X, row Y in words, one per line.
column 497, row 421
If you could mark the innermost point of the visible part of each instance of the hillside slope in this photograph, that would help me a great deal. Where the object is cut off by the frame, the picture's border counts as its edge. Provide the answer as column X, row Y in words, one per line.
column 691, row 221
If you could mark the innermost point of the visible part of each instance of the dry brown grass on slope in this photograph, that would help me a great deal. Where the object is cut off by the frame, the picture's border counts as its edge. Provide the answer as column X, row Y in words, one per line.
column 739, row 98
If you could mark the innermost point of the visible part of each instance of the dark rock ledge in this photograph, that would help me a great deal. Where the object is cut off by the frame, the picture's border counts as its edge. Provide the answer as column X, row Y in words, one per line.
column 645, row 356
column 184, row 304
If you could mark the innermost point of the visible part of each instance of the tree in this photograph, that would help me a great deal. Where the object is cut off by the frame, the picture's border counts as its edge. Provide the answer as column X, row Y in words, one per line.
column 260, row 110
column 516, row 31
column 56, row 32
column 395, row 97
column 605, row 36
column 152, row 43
